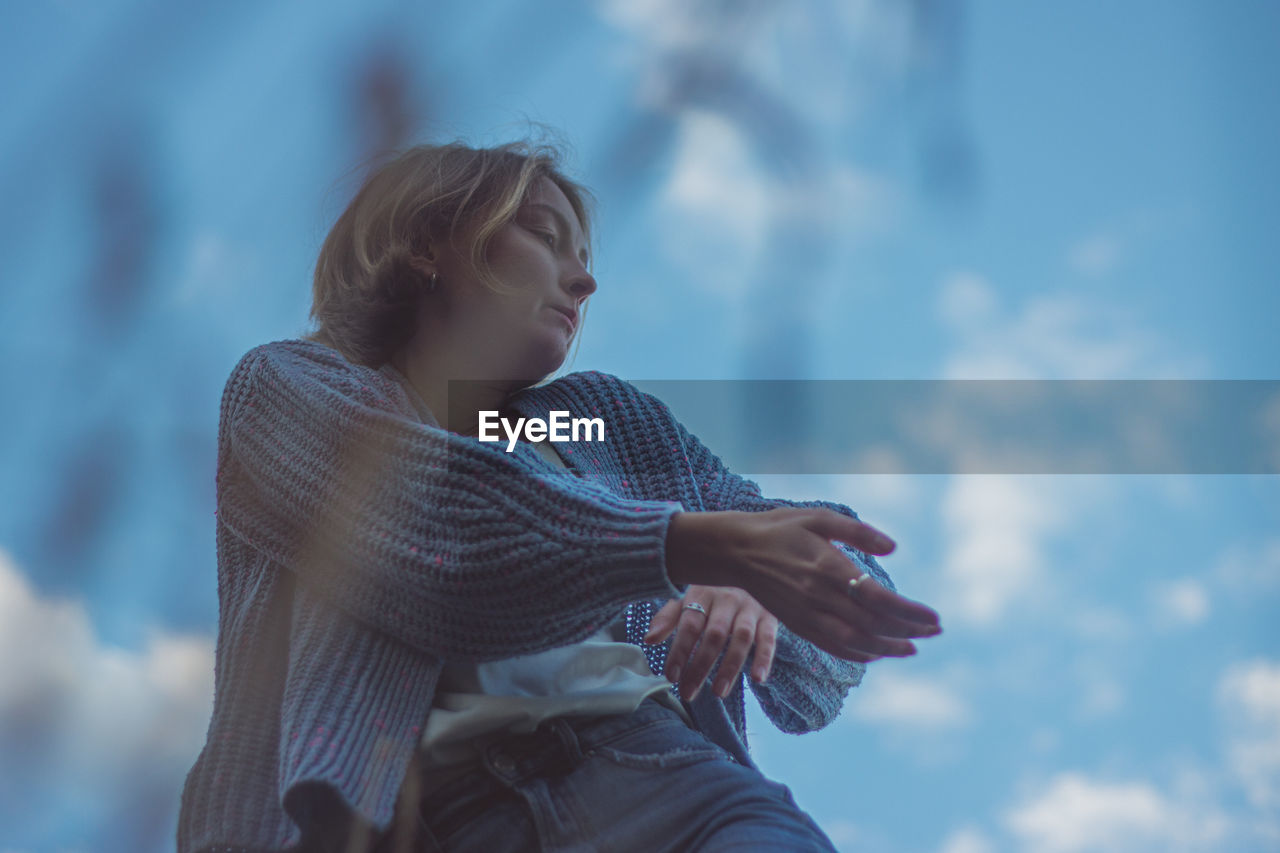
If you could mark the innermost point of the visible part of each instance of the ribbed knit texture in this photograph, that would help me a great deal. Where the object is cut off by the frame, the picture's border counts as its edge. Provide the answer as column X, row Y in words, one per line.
column 358, row 548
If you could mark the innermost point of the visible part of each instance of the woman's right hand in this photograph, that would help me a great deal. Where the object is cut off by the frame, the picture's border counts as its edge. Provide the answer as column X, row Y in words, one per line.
column 786, row 560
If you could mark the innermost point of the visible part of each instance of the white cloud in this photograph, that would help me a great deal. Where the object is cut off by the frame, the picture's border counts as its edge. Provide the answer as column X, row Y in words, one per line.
column 843, row 833
column 1045, row 741
column 884, row 494
column 713, row 208
column 1095, row 255
column 1102, row 697
column 1099, row 678
column 1055, row 336
column 714, row 173
column 1181, row 603
column 966, row 298
column 1249, row 569
column 718, row 205
column 88, row 723
column 863, row 203
column 875, row 497
column 967, row 840
column 1074, row 813
column 891, row 698
column 1249, row 696
column 1136, row 231
column 823, row 61
column 995, row 530
column 1101, row 623
column 1050, row 337
column 210, row 262
column 664, row 24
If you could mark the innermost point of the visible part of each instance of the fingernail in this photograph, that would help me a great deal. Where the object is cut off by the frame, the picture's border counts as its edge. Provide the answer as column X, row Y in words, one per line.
column 675, row 674
column 758, row 675
column 694, row 693
column 723, row 691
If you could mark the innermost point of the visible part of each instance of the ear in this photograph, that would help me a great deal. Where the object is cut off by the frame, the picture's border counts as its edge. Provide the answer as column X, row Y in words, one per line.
column 425, row 266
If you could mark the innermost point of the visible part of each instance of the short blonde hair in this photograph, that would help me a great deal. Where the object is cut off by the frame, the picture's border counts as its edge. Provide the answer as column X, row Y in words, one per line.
column 369, row 276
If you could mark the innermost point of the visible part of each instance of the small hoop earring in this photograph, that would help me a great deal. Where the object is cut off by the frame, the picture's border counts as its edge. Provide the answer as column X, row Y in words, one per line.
column 433, row 282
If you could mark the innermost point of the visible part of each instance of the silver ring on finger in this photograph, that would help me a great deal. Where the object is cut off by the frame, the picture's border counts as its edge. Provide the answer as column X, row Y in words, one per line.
column 693, row 605
column 855, row 583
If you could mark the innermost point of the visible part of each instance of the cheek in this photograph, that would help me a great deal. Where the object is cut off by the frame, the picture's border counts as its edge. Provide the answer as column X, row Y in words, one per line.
column 478, row 307
column 521, row 260
column 511, row 250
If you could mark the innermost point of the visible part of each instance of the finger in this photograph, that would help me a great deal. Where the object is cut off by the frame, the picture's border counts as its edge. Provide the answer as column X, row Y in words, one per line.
column 840, row 650
column 831, row 634
column 884, row 601
column 887, row 647
column 712, row 642
column 741, row 636
column 827, row 643
column 876, row 620
column 860, row 535
column 838, row 564
column 766, row 643
column 858, row 638
column 688, row 630
column 663, row 622
column 848, row 626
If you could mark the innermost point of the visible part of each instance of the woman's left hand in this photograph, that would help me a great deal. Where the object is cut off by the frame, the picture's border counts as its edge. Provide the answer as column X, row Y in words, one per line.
column 733, row 617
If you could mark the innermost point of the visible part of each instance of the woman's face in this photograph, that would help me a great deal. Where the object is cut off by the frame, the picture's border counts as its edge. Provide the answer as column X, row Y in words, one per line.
column 523, row 335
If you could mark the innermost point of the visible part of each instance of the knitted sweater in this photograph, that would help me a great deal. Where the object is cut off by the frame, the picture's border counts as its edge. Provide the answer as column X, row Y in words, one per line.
column 359, row 548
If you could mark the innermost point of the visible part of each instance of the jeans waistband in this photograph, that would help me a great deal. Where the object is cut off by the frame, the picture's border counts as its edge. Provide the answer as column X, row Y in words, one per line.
column 588, row 731
column 555, row 747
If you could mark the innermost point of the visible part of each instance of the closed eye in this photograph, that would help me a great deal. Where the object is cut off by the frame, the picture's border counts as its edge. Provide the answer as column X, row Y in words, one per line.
column 552, row 237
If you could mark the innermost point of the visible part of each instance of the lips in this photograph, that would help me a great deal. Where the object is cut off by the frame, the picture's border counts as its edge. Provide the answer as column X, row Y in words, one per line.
column 570, row 313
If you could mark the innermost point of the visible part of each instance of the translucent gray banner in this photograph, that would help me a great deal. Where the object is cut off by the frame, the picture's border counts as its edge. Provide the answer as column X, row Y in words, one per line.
column 983, row 426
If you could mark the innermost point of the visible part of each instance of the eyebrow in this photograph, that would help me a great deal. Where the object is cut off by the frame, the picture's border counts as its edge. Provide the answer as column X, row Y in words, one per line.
column 562, row 222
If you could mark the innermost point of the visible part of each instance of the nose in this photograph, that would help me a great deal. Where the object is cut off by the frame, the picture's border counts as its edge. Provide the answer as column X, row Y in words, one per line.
column 580, row 283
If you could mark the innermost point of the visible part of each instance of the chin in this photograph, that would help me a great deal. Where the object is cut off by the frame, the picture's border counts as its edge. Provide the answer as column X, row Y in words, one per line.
column 540, row 363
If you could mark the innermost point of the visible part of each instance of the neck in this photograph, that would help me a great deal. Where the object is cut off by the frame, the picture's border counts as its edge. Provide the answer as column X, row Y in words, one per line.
column 455, row 404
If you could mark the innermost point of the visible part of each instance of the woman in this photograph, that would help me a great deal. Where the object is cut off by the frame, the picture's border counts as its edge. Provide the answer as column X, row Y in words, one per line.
column 427, row 642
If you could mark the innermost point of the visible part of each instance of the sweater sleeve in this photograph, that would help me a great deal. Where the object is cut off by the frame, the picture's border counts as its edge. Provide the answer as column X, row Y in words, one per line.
column 455, row 547
column 807, row 686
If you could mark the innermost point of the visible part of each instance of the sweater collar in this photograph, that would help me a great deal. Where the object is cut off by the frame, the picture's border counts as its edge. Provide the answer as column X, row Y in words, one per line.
column 532, row 401
column 419, row 405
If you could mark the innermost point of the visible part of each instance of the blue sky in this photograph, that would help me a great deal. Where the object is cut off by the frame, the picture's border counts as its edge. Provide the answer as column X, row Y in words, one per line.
column 844, row 190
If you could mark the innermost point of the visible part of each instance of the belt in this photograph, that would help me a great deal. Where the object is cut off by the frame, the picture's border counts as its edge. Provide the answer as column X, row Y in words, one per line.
column 554, row 748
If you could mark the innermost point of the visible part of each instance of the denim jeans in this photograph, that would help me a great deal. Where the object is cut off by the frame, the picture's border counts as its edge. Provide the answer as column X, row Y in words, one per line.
column 643, row 781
